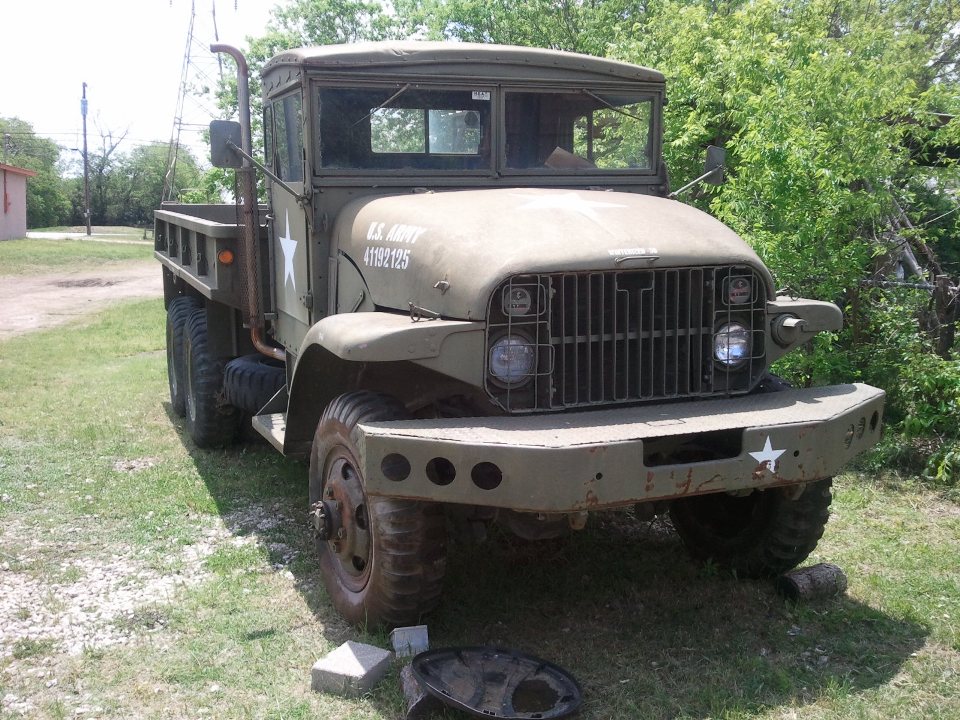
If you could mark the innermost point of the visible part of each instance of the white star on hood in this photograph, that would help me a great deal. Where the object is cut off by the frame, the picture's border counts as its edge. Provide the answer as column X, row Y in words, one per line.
column 565, row 201
column 768, row 456
column 289, row 247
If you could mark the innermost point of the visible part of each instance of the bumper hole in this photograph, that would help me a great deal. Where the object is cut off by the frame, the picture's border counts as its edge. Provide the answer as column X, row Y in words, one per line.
column 486, row 475
column 441, row 471
column 395, row 467
column 874, row 421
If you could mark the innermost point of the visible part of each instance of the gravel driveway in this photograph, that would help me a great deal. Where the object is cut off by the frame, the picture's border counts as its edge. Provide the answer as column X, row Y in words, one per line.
column 31, row 302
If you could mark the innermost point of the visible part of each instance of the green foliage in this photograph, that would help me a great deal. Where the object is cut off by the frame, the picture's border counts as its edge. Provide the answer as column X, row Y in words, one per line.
column 47, row 202
column 126, row 187
column 211, row 187
column 558, row 24
column 923, row 390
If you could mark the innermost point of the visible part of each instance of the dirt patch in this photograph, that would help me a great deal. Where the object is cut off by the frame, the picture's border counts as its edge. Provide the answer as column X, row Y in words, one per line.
column 34, row 302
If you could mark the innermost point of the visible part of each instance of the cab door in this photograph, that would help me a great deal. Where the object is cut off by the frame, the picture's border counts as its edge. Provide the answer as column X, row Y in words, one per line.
column 289, row 226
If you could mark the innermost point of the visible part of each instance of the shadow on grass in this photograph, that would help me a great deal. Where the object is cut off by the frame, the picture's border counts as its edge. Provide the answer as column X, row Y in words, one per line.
column 648, row 632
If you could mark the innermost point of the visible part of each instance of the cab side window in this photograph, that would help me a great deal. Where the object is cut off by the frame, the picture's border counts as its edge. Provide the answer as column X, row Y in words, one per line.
column 268, row 153
column 284, row 137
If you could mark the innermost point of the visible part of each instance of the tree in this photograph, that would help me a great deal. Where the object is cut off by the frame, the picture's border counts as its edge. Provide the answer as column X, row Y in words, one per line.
column 47, row 201
column 574, row 25
column 126, row 187
column 138, row 181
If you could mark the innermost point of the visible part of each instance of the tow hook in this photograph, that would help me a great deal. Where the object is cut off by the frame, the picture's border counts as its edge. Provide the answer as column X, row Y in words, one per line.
column 325, row 519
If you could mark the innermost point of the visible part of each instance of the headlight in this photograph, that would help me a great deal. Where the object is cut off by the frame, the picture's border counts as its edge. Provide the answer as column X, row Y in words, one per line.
column 512, row 359
column 731, row 345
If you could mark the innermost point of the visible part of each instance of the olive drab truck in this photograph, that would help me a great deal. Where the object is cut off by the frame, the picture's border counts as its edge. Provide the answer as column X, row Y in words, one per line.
column 470, row 299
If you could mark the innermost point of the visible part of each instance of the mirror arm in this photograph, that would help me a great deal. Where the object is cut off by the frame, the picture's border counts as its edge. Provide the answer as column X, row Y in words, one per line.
column 697, row 181
column 302, row 199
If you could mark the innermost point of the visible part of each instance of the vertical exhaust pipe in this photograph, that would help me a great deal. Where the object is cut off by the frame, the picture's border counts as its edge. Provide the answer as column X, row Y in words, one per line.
column 249, row 212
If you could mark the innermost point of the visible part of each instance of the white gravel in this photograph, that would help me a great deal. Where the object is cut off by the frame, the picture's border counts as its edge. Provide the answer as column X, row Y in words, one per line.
column 103, row 599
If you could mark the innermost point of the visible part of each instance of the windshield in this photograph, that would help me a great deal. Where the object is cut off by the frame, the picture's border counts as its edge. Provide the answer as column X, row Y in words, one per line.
column 405, row 128
column 578, row 130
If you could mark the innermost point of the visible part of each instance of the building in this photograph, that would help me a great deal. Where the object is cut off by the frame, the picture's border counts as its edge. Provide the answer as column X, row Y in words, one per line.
column 13, row 208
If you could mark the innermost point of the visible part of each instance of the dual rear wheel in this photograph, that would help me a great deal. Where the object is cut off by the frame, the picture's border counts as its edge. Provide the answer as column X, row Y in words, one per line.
column 211, row 392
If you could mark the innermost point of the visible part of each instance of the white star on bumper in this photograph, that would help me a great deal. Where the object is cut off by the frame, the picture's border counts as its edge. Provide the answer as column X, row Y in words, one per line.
column 768, row 456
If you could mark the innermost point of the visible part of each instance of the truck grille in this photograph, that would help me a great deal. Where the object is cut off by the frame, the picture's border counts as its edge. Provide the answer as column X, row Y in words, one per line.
column 600, row 338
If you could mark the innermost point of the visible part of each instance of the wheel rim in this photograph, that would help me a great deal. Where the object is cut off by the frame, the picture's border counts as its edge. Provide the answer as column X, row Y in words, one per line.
column 171, row 368
column 190, row 400
column 351, row 544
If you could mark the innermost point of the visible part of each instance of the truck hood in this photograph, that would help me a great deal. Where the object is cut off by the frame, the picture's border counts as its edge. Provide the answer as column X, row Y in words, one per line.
column 446, row 252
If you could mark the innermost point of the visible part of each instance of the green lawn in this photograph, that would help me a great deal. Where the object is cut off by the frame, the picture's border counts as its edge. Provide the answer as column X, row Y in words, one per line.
column 34, row 255
column 201, row 568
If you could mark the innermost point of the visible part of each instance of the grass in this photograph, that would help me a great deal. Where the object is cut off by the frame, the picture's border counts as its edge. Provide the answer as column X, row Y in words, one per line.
column 243, row 614
column 34, row 256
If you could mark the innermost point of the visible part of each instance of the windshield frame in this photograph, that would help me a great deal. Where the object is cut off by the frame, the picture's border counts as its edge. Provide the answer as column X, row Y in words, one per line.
column 498, row 91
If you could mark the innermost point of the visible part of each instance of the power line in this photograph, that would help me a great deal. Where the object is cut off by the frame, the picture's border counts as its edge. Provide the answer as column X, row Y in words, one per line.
column 194, row 52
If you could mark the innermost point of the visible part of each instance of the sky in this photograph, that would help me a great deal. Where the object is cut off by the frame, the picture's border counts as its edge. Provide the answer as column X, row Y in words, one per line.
column 129, row 52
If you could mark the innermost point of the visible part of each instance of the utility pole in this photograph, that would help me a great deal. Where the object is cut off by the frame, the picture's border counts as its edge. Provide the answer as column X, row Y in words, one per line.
column 86, row 165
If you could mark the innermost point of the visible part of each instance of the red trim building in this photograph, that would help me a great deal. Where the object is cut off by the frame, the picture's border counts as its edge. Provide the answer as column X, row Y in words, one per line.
column 13, row 201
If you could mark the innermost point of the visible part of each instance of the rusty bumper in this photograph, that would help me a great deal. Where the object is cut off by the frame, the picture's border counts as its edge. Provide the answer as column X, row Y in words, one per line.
column 606, row 458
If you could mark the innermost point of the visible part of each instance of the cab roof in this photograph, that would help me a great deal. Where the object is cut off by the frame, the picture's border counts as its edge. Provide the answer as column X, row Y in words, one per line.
column 413, row 55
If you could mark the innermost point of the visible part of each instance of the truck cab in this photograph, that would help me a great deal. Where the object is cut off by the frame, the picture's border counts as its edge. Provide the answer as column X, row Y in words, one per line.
column 470, row 299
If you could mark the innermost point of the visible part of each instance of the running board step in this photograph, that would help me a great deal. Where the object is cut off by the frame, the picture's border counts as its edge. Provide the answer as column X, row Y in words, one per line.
column 273, row 427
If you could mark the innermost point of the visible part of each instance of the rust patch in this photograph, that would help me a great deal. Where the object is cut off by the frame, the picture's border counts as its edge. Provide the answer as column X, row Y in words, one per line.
column 592, row 499
column 649, row 486
column 684, row 487
column 705, row 483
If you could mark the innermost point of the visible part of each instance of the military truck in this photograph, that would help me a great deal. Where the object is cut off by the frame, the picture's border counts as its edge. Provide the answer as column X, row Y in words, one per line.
column 471, row 299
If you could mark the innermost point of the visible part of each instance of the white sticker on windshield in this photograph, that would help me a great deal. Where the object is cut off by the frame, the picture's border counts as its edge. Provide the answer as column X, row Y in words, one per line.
column 481, row 95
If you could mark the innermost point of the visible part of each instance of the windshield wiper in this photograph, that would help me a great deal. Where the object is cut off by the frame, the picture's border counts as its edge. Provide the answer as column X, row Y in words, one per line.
column 612, row 107
column 382, row 105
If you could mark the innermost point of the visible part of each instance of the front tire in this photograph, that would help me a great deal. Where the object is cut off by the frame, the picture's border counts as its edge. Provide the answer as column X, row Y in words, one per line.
column 762, row 534
column 382, row 559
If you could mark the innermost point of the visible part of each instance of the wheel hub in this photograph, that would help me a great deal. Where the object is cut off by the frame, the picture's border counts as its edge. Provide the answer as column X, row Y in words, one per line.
column 342, row 518
column 325, row 518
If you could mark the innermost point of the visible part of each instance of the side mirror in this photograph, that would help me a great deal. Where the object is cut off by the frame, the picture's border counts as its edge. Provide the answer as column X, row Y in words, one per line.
column 222, row 155
column 712, row 170
column 714, row 165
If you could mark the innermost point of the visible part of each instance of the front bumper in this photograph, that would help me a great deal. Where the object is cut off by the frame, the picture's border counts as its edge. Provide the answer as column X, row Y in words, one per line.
column 576, row 461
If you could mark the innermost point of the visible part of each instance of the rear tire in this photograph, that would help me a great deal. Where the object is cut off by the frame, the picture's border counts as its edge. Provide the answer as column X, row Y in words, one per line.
column 762, row 534
column 211, row 421
column 385, row 566
column 177, row 313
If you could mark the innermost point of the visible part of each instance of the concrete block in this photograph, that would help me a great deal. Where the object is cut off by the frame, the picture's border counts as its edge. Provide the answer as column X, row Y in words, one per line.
column 350, row 670
column 409, row 641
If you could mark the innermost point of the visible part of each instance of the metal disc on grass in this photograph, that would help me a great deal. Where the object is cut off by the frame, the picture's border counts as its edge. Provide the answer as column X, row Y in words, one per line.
column 496, row 683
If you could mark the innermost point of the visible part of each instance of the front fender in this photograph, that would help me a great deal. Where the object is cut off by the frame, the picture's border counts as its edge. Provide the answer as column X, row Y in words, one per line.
column 336, row 348
column 382, row 336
